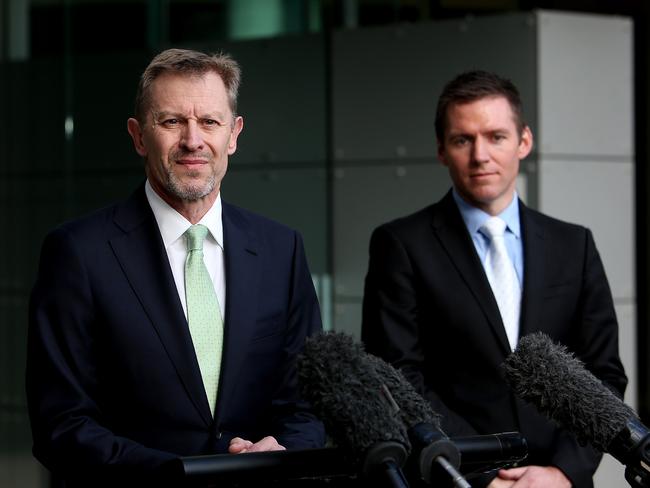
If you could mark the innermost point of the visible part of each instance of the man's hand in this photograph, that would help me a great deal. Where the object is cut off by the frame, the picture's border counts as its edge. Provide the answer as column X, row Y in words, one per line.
column 500, row 483
column 239, row 445
column 531, row 477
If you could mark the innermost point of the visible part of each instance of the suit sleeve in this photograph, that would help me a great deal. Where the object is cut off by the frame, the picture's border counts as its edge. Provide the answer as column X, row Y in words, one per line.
column 295, row 425
column 390, row 324
column 69, row 431
column 595, row 342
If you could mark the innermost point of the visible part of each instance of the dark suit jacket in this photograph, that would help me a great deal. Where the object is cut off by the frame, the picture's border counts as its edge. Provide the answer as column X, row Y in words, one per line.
column 429, row 310
column 113, row 384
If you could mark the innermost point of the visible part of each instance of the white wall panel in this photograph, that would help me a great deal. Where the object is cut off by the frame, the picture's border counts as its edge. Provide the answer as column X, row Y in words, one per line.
column 585, row 84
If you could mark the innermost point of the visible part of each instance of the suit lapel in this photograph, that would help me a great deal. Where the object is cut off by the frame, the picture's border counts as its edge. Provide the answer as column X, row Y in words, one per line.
column 531, row 301
column 142, row 256
column 450, row 230
column 242, row 289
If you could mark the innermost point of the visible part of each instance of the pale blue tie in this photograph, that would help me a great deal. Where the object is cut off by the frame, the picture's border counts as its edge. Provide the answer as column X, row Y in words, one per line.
column 203, row 313
column 503, row 278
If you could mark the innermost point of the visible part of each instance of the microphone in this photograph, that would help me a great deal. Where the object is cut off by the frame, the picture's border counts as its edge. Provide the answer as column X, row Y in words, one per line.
column 485, row 452
column 354, row 404
column 546, row 375
column 477, row 453
column 350, row 388
column 436, row 452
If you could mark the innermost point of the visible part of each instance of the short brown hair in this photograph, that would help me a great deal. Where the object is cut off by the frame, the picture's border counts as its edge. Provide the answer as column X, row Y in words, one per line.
column 474, row 85
column 192, row 63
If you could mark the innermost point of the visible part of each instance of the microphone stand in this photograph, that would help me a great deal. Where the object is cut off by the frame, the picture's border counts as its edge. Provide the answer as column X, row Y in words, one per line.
column 385, row 459
column 457, row 479
column 436, row 454
column 394, row 475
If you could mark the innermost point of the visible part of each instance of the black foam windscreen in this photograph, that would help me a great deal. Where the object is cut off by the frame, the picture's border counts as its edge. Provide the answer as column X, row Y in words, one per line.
column 348, row 394
column 413, row 408
column 548, row 376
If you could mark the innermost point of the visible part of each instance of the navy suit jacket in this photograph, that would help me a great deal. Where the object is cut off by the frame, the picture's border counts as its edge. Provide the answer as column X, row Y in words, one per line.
column 429, row 310
column 113, row 383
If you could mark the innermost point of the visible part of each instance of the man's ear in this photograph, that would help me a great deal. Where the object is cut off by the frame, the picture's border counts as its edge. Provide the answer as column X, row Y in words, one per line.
column 133, row 126
column 234, row 134
column 525, row 143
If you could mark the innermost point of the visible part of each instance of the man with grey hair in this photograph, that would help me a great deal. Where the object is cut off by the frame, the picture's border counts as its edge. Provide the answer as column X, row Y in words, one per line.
column 168, row 325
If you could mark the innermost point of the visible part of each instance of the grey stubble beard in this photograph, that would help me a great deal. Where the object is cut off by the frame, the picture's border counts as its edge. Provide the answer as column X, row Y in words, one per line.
column 189, row 192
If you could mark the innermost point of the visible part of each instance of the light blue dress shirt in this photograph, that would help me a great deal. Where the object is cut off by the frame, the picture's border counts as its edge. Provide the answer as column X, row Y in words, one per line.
column 474, row 218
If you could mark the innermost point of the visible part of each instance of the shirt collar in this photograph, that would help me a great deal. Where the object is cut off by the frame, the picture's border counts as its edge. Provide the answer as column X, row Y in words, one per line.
column 475, row 217
column 173, row 225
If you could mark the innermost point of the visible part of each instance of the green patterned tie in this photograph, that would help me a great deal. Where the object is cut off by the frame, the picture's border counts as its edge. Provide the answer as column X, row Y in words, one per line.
column 203, row 313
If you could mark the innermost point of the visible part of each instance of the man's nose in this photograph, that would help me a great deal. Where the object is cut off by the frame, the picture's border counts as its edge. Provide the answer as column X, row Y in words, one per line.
column 480, row 150
column 192, row 138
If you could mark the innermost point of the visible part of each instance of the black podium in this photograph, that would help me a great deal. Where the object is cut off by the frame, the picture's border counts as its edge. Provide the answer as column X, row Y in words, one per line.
column 327, row 467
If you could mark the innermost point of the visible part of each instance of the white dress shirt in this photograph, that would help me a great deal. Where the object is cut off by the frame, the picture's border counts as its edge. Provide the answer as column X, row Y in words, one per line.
column 172, row 226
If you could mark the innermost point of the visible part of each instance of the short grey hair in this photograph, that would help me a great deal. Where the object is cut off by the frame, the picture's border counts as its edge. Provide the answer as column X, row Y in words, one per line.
column 191, row 63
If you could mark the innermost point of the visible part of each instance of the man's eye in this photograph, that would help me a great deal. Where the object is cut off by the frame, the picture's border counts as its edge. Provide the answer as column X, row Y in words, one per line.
column 499, row 137
column 459, row 141
column 210, row 122
column 170, row 123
